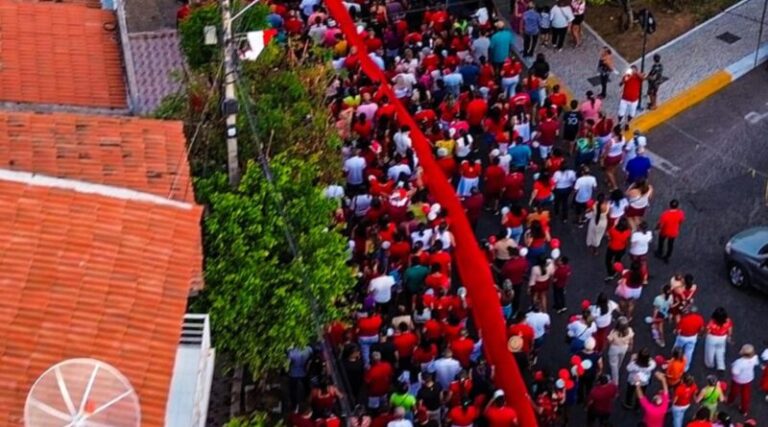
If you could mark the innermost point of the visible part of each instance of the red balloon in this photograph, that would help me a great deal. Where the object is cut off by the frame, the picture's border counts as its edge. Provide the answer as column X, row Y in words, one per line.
column 564, row 375
column 579, row 370
column 618, row 267
column 555, row 243
column 569, row 384
column 575, row 360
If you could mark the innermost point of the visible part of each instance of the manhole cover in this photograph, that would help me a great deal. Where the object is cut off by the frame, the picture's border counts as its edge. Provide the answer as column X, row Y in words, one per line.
column 729, row 37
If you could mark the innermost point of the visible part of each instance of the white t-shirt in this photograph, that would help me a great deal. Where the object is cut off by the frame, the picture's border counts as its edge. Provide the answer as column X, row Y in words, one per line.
column 425, row 238
column 394, row 172
column 584, row 187
column 381, row 287
column 354, row 167
column 638, row 243
column 446, row 370
column 539, row 322
column 743, row 369
column 402, row 142
column 400, row 423
column 334, row 191
column 604, row 320
column 564, row 179
column 632, row 145
column 579, row 330
column 617, row 210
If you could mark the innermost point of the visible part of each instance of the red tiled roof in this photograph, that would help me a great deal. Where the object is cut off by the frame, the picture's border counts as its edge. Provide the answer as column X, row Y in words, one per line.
column 87, row 275
column 141, row 154
column 53, row 53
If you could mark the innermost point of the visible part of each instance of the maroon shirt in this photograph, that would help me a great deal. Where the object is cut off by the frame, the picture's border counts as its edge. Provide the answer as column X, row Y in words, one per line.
column 562, row 275
column 514, row 270
column 548, row 132
column 602, row 396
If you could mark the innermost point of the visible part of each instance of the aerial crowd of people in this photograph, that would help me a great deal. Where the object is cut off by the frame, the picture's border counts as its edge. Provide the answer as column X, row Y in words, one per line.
column 522, row 157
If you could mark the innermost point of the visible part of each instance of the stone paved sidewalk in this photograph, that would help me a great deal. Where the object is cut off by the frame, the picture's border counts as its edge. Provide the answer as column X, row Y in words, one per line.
column 710, row 47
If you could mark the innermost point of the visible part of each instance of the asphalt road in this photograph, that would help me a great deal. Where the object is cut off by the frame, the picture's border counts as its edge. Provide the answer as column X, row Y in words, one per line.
column 717, row 166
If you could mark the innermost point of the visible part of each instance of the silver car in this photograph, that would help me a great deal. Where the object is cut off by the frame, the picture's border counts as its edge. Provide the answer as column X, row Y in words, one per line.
column 746, row 257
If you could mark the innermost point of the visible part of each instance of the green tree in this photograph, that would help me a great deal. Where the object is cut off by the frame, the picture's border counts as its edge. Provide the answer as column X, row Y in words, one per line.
column 259, row 296
column 259, row 419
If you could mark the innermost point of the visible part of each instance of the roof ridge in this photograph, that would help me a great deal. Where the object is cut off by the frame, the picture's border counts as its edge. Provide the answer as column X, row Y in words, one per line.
column 121, row 193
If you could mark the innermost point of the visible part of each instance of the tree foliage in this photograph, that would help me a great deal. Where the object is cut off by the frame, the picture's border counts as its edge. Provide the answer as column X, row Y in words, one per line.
column 259, row 296
column 259, row 419
column 192, row 30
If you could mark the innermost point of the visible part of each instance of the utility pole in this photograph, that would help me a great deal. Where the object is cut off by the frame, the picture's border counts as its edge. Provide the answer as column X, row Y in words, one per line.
column 229, row 105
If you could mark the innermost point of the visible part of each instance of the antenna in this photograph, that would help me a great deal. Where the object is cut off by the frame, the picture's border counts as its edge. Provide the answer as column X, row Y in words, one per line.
column 82, row 393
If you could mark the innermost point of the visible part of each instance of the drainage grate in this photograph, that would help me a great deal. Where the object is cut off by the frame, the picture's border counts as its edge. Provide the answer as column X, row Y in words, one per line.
column 729, row 37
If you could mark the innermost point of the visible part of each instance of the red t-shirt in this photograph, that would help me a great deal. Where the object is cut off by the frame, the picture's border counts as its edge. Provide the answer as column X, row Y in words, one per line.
column 548, row 132
column 632, row 85
column 436, row 281
column 462, row 349
column 684, row 394
column 500, row 416
column 379, row 378
column 462, row 418
column 494, row 179
column 702, row 423
column 543, row 190
column 515, row 270
column 405, row 343
column 476, row 110
column 559, row 99
column 670, row 221
column 369, row 326
column 433, row 329
column 421, row 355
column 690, row 324
column 442, row 258
column 514, row 186
column 719, row 330
column 451, row 332
column 618, row 240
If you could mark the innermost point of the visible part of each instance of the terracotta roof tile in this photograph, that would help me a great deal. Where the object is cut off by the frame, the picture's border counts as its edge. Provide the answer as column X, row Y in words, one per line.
column 87, row 275
column 53, row 53
column 141, row 154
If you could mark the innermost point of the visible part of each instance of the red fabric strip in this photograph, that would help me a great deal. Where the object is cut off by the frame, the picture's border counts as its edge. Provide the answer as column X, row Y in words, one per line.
column 472, row 265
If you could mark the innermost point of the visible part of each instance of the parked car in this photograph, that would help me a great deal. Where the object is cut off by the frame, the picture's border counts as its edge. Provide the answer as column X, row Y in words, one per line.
column 746, row 257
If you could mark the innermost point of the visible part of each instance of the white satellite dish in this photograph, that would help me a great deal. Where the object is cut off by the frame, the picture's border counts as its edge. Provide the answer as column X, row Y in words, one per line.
column 82, row 393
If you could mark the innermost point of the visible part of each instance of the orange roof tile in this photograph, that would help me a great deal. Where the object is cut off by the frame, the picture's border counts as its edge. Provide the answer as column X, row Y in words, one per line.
column 141, row 154
column 52, row 53
column 86, row 275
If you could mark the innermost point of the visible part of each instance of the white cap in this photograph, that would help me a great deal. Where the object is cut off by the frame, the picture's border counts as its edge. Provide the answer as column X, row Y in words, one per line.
column 495, row 152
column 386, row 245
column 390, row 332
column 435, row 208
column 462, row 292
column 498, row 393
column 504, row 210
column 523, row 251
column 432, row 216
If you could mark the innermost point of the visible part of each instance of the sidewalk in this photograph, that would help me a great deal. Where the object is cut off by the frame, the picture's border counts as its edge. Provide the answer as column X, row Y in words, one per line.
column 696, row 64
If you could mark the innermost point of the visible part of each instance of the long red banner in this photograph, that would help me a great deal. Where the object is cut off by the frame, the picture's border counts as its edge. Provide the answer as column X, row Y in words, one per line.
column 471, row 262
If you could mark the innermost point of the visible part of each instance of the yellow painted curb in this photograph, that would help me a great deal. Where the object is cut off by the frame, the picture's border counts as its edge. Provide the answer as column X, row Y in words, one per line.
column 681, row 102
column 553, row 80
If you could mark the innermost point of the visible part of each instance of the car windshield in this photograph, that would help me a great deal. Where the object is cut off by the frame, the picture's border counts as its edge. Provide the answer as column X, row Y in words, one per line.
column 763, row 250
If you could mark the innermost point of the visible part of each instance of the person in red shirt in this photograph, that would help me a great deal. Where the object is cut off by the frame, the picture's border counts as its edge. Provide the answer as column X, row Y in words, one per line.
column 600, row 401
column 682, row 398
column 462, row 348
column 463, row 415
column 558, row 98
column 618, row 240
column 514, row 270
column 476, row 109
column 460, row 389
column 473, row 205
column 378, row 379
column 702, row 419
column 405, row 342
column 493, row 183
column 630, row 95
column 689, row 327
column 514, row 187
column 368, row 328
column 669, row 229
column 498, row 414
column 303, row 416
column 547, row 132
column 521, row 329
column 182, row 12
column 560, row 280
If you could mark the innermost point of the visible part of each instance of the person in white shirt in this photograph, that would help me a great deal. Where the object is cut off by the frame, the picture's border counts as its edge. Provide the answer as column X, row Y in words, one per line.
column 353, row 168
column 446, row 368
column 402, row 140
column 639, row 242
column 742, row 375
column 401, row 167
column 540, row 323
column 584, row 187
column 400, row 420
column 602, row 311
column 637, row 142
column 564, row 178
column 381, row 288
column 580, row 330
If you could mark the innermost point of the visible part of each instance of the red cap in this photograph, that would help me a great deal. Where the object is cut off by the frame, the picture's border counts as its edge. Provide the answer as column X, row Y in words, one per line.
column 585, row 304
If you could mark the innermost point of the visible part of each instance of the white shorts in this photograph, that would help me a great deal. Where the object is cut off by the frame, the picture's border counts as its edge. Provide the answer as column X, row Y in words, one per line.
column 627, row 108
column 633, row 293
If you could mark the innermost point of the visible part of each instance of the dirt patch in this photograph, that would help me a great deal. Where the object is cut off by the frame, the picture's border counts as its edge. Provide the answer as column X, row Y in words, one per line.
column 606, row 20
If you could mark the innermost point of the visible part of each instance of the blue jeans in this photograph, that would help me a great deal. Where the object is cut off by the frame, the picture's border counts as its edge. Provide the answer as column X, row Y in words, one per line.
column 687, row 344
column 365, row 347
column 678, row 415
column 515, row 233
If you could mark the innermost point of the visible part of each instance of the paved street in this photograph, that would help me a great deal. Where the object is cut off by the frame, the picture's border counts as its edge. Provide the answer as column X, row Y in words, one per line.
column 715, row 147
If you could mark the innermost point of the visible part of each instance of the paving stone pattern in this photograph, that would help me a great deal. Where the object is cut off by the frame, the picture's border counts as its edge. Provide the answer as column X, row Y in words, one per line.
column 157, row 57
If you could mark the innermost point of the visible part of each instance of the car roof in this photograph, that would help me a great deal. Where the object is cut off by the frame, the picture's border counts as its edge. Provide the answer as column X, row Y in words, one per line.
column 751, row 240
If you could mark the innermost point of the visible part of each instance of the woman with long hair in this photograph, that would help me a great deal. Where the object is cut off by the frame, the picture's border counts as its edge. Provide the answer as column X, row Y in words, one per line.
column 540, row 280
column 640, row 370
column 613, row 153
column 597, row 223
column 639, row 198
column 617, row 205
column 630, row 287
column 719, row 332
column 620, row 341
column 603, row 311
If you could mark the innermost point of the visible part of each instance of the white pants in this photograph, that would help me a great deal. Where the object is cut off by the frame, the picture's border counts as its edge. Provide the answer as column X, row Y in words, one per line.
column 616, row 355
column 714, row 351
column 627, row 108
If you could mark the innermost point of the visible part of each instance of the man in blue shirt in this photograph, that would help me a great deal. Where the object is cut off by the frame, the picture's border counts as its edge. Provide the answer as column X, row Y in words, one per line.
column 639, row 167
column 520, row 154
column 501, row 45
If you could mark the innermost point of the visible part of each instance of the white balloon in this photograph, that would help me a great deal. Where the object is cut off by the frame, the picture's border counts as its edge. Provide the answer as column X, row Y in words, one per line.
column 586, row 364
column 560, row 383
column 555, row 253
column 523, row 251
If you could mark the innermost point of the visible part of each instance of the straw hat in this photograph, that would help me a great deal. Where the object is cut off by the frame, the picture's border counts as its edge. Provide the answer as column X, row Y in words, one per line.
column 515, row 344
column 747, row 350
